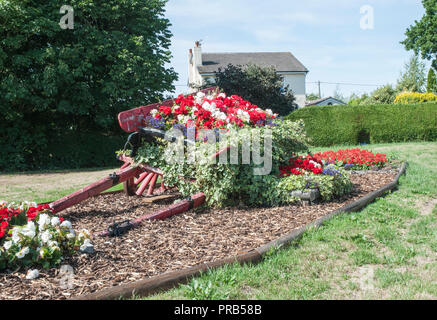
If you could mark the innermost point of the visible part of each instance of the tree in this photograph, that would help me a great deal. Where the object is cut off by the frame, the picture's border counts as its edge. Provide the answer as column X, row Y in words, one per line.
column 56, row 81
column 383, row 95
column 312, row 96
column 431, row 84
column 422, row 36
column 413, row 77
column 260, row 85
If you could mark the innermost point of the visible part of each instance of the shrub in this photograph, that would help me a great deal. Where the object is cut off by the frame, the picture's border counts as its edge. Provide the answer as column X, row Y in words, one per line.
column 352, row 125
column 415, row 97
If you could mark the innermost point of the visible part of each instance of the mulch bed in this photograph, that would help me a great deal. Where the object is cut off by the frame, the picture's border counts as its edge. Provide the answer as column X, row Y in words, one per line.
column 176, row 243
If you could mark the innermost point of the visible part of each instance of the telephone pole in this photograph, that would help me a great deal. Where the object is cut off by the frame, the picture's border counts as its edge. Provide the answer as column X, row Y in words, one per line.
column 320, row 95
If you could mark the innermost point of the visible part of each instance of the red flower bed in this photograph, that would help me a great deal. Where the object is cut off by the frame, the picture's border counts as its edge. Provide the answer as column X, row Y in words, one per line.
column 352, row 157
column 301, row 166
column 210, row 112
column 15, row 216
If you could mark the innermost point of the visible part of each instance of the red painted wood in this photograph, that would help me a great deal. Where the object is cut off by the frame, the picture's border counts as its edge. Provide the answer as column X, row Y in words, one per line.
column 144, row 184
column 141, row 178
column 92, row 190
column 177, row 208
column 129, row 120
column 152, row 185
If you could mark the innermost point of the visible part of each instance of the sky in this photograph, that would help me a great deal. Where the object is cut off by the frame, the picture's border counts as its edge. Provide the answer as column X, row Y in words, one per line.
column 334, row 39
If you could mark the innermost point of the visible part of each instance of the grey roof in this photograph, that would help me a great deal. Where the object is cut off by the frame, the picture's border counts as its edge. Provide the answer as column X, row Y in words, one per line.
column 281, row 61
column 314, row 102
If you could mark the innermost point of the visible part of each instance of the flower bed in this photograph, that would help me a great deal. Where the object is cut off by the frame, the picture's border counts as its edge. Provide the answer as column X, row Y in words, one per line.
column 31, row 236
column 358, row 159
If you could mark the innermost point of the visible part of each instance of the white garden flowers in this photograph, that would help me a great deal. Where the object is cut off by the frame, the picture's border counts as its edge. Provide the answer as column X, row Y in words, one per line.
column 34, row 237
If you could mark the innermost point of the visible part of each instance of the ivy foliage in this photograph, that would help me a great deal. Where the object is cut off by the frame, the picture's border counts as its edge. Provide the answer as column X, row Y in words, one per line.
column 226, row 184
column 330, row 186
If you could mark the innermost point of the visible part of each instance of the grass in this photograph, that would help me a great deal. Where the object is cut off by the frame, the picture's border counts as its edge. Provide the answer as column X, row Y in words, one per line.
column 386, row 251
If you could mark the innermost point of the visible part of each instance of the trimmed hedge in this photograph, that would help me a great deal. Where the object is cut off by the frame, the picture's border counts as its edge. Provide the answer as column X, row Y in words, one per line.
column 384, row 123
column 69, row 151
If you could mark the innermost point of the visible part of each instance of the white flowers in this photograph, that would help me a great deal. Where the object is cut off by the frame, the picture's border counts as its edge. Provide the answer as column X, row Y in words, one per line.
column 7, row 245
column 66, row 224
column 32, row 274
column 43, row 221
column 244, row 115
column 42, row 241
column 22, row 253
column 55, row 221
column 46, row 236
column 317, row 165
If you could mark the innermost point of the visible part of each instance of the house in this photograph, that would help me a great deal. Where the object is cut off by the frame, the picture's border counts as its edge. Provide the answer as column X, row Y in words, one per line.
column 328, row 101
column 204, row 66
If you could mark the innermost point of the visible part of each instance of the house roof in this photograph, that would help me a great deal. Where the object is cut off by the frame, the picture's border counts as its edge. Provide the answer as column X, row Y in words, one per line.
column 315, row 102
column 281, row 61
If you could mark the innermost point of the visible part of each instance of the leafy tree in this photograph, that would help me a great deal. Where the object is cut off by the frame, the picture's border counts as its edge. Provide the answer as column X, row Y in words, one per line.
column 312, row 96
column 422, row 36
column 260, row 85
column 413, row 77
column 56, row 81
column 383, row 95
column 431, row 84
column 356, row 99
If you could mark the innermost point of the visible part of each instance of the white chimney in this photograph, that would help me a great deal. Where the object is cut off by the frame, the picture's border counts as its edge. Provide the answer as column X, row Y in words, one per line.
column 197, row 54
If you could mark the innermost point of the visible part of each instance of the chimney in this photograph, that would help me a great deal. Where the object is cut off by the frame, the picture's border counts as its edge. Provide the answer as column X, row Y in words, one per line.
column 197, row 56
column 190, row 56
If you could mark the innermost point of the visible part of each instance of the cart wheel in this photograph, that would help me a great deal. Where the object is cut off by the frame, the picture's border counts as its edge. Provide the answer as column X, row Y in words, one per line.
column 147, row 183
column 129, row 187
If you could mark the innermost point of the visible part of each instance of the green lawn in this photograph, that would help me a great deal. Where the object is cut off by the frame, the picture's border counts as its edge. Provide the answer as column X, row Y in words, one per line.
column 386, row 251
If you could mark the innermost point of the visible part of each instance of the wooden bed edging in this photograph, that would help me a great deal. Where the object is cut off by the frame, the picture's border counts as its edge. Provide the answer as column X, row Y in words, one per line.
column 171, row 279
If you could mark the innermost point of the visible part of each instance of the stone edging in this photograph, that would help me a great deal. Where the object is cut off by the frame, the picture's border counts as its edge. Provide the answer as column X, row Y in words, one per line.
column 171, row 279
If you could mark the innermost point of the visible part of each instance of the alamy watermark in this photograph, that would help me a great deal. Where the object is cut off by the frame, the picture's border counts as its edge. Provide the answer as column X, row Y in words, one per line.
column 221, row 146
column 67, row 20
column 367, row 21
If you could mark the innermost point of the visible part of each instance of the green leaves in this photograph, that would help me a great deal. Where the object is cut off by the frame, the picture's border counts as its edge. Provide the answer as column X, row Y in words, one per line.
column 422, row 36
column 260, row 85
column 114, row 59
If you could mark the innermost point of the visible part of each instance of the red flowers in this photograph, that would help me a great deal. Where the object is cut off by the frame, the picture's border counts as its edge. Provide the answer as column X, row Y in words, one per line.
column 210, row 112
column 302, row 165
column 349, row 157
column 12, row 216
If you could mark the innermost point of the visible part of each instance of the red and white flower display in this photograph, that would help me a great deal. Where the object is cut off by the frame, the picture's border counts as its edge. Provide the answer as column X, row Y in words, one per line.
column 212, row 111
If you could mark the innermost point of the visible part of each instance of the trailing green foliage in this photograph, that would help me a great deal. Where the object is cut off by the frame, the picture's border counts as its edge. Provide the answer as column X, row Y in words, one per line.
column 330, row 186
column 59, row 82
column 231, row 184
column 341, row 125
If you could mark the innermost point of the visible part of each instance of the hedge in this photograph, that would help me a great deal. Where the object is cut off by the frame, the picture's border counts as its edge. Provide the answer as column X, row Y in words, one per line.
column 68, row 151
column 384, row 123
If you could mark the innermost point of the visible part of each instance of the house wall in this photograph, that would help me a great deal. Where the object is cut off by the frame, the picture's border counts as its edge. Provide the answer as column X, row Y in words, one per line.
column 296, row 81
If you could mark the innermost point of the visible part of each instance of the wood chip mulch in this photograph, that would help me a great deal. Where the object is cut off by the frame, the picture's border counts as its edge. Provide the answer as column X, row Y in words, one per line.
column 160, row 246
